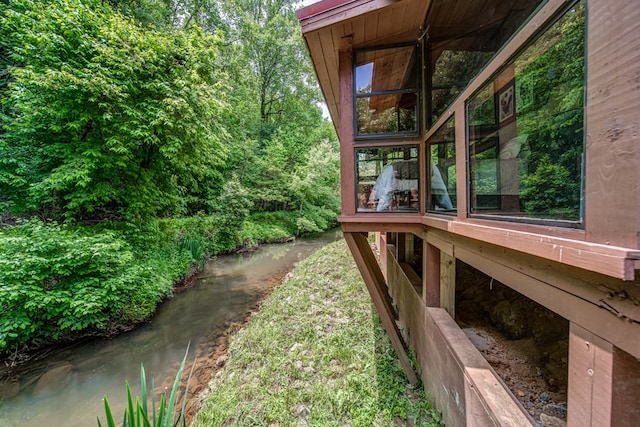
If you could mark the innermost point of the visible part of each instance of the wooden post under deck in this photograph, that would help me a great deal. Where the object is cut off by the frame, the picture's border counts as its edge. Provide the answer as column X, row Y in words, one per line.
column 431, row 269
column 374, row 280
column 448, row 283
column 603, row 382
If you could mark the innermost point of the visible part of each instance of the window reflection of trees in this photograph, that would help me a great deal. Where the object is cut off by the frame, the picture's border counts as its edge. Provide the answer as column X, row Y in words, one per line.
column 544, row 139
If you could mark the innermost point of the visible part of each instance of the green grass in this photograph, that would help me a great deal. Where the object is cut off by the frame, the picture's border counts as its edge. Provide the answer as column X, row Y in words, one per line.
column 316, row 354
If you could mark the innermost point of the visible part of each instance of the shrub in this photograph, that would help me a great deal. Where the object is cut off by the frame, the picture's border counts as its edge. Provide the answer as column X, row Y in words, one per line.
column 56, row 280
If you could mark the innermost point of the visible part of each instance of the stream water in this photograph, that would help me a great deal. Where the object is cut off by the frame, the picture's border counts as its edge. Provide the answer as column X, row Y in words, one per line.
column 66, row 388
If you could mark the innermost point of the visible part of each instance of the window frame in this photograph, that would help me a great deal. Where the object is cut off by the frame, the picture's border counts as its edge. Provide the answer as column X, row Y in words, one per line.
column 389, row 145
column 393, row 136
column 430, row 120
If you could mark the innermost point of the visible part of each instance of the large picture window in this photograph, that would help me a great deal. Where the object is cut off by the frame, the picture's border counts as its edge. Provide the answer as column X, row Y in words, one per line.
column 387, row 179
column 386, row 94
column 526, row 129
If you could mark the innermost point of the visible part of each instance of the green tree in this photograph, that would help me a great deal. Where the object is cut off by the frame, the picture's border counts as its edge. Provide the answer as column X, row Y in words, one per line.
column 105, row 118
column 275, row 96
column 316, row 187
column 170, row 13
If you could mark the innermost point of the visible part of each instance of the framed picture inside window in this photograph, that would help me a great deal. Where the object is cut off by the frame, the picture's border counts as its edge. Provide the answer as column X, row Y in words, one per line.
column 506, row 104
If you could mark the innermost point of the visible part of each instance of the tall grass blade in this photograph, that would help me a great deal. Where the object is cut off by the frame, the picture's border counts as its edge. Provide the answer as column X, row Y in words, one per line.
column 107, row 410
column 153, row 401
column 184, row 397
column 143, row 389
column 161, row 413
column 143, row 417
column 174, row 391
column 139, row 416
column 131, row 413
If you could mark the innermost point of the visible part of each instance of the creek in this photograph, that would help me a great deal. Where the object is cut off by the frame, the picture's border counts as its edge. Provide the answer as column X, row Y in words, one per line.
column 67, row 386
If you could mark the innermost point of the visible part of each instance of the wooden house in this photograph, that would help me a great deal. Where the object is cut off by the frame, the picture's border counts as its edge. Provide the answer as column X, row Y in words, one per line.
column 491, row 147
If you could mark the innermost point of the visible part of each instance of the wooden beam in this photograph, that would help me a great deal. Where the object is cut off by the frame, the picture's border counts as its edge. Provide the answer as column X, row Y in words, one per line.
column 609, row 260
column 374, row 280
column 381, row 224
column 612, row 169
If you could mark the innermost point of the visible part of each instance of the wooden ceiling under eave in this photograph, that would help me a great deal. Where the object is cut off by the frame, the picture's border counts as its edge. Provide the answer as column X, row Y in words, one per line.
column 333, row 26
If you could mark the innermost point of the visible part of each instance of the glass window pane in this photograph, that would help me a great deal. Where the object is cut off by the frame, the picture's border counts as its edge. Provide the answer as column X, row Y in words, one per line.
column 452, row 71
column 462, row 40
column 526, row 129
column 442, row 168
column 382, row 114
column 385, row 69
column 387, row 179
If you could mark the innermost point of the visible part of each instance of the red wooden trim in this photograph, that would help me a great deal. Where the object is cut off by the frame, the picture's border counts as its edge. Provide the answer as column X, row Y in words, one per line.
column 337, row 12
column 347, row 160
column 320, row 7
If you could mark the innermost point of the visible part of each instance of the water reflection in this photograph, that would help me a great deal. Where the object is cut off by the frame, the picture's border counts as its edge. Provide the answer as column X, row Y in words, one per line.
column 67, row 387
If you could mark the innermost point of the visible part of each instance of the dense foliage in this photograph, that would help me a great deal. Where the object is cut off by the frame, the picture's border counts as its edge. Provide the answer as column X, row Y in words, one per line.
column 61, row 281
column 57, row 281
column 107, row 117
column 554, row 121
column 146, row 135
column 104, row 116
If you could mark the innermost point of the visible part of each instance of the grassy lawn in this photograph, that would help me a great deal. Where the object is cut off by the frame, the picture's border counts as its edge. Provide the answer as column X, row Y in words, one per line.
column 315, row 355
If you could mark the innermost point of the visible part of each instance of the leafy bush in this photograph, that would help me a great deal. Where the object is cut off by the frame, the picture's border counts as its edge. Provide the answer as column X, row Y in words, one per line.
column 269, row 227
column 56, row 280
column 231, row 210
column 551, row 191
column 59, row 280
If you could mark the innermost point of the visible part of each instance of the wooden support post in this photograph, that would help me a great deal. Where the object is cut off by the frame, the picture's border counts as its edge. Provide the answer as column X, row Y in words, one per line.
column 401, row 248
column 590, row 379
column 431, row 275
column 374, row 280
column 626, row 389
column 604, row 382
column 408, row 247
column 448, row 283
column 345, row 133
